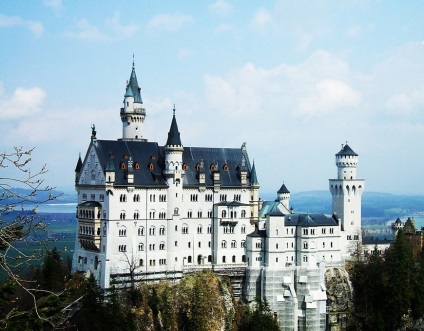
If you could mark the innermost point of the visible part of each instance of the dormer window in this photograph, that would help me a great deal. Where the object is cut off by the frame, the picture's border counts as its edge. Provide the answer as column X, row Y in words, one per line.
column 185, row 166
column 125, row 156
column 122, row 166
column 151, row 166
column 153, row 157
column 198, row 167
column 137, row 166
column 225, row 167
column 212, row 167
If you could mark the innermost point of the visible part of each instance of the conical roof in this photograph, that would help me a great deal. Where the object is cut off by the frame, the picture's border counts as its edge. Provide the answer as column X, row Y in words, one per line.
column 79, row 165
column 133, row 89
column 174, row 134
column 283, row 189
column 346, row 150
column 253, row 177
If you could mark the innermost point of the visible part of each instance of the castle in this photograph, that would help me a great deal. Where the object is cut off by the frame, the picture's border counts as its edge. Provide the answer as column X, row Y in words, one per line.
column 148, row 212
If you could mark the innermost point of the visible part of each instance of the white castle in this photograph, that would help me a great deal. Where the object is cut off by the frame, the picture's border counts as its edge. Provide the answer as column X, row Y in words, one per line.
column 148, row 212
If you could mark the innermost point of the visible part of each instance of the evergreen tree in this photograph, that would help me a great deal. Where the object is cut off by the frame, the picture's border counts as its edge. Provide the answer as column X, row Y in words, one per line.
column 399, row 273
column 261, row 318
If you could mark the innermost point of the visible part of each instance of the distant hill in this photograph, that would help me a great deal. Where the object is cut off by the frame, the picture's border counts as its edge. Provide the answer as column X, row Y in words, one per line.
column 374, row 204
column 43, row 195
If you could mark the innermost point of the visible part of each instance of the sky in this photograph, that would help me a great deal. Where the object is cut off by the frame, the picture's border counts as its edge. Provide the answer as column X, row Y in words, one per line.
column 292, row 79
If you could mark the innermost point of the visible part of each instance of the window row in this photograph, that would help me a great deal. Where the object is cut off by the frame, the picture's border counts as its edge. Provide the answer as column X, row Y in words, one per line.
column 93, row 197
column 88, row 230
column 307, row 231
column 233, row 244
column 152, row 230
column 89, row 214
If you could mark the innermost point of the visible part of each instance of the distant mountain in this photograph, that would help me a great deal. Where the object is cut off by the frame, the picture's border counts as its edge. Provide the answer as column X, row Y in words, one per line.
column 42, row 196
column 374, row 204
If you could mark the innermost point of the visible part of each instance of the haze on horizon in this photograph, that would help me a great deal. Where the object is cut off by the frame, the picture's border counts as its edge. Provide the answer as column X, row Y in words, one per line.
column 292, row 79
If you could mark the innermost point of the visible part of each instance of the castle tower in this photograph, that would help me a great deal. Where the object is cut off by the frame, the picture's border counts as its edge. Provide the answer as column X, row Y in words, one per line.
column 174, row 171
column 283, row 195
column 347, row 192
column 133, row 113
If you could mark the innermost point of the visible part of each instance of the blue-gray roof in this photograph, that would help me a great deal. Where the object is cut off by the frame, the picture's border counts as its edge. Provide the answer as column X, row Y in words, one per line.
column 310, row 220
column 133, row 85
column 346, row 150
column 173, row 134
column 283, row 189
column 149, row 160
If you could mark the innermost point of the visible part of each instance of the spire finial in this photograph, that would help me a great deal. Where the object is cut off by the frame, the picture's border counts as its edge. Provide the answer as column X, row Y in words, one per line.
column 174, row 110
column 133, row 60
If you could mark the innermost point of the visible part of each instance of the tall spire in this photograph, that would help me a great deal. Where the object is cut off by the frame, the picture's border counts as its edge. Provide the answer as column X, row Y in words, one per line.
column 173, row 134
column 133, row 85
column 253, row 177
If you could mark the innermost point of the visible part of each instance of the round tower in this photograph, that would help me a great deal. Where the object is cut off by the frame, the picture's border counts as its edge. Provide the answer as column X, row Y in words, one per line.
column 133, row 113
column 346, row 193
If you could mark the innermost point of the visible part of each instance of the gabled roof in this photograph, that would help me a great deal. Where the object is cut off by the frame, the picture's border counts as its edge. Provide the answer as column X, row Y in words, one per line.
column 310, row 220
column 283, row 189
column 149, row 161
column 346, row 150
column 173, row 134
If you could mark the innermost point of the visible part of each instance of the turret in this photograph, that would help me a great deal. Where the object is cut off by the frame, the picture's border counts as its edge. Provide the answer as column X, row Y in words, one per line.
column 174, row 171
column 346, row 161
column 133, row 113
column 283, row 195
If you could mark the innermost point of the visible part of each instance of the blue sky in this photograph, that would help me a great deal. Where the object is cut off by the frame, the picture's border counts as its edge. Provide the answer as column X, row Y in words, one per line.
column 292, row 79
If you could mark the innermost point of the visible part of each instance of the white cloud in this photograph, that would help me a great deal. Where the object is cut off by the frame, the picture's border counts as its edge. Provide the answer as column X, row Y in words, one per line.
column 87, row 32
column 56, row 5
column 124, row 31
column 221, row 7
column 329, row 95
column 11, row 21
column 408, row 102
column 23, row 102
column 113, row 30
column 169, row 22
column 261, row 19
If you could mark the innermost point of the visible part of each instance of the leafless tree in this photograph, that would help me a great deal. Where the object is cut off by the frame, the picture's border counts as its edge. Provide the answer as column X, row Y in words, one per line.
column 22, row 190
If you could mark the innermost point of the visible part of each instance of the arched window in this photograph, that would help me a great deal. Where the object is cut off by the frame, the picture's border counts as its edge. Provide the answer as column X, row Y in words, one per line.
column 141, row 231
column 223, row 244
column 243, row 213
column 224, row 214
column 141, row 247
